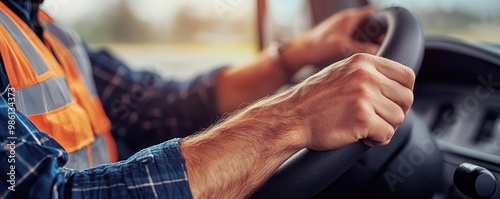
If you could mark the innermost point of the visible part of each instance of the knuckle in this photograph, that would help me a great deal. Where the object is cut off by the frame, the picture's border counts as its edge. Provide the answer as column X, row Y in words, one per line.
column 410, row 74
column 388, row 134
column 359, row 57
column 360, row 114
column 407, row 102
column 363, row 74
column 361, row 92
column 399, row 118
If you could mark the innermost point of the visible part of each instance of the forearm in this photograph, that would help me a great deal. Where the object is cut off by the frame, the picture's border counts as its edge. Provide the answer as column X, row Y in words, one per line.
column 242, row 85
column 235, row 157
column 245, row 84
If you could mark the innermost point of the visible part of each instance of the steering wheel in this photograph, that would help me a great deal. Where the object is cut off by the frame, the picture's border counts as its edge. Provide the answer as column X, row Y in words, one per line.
column 308, row 172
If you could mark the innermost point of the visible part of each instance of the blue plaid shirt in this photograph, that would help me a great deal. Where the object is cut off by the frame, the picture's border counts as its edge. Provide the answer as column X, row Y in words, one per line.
column 32, row 163
column 32, row 167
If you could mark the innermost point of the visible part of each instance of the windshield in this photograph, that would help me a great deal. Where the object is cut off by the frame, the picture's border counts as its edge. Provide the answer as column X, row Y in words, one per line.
column 471, row 20
column 174, row 38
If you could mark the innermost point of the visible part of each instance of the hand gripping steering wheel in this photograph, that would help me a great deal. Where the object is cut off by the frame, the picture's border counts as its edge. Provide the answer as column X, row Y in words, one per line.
column 308, row 172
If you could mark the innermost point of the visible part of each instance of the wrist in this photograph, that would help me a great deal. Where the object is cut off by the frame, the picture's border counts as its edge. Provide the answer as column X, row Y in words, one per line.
column 283, row 120
column 276, row 51
column 285, row 57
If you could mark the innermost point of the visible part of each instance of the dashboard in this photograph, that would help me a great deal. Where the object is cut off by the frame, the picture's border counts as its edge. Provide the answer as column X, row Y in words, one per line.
column 457, row 94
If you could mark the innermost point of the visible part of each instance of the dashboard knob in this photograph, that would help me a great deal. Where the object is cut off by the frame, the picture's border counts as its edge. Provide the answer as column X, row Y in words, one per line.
column 474, row 181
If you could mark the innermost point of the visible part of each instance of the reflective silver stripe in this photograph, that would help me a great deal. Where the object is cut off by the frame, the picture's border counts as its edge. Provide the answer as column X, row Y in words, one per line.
column 100, row 153
column 83, row 61
column 79, row 159
column 75, row 45
column 43, row 97
column 38, row 64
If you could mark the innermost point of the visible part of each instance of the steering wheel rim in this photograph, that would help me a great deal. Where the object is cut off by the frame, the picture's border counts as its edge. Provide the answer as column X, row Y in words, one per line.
column 308, row 172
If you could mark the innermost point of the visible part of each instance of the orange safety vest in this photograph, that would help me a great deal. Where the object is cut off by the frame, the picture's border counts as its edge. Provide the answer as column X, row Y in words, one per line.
column 54, row 88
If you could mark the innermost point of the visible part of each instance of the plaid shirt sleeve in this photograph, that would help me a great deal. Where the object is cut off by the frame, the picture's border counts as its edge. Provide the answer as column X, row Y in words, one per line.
column 32, row 167
column 145, row 109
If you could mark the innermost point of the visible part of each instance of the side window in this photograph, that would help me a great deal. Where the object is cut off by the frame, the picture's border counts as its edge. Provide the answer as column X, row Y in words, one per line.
column 283, row 22
column 470, row 20
column 177, row 38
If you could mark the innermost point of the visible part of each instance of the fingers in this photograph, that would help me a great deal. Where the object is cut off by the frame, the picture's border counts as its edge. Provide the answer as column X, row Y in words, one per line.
column 397, row 93
column 392, row 70
column 355, row 45
column 360, row 14
column 395, row 83
column 390, row 84
column 389, row 111
column 381, row 132
column 356, row 14
column 396, row 71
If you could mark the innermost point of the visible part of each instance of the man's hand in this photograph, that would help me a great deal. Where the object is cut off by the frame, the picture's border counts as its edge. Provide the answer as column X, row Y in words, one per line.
column 330, row 41
column 327, row 43
column 363, row 97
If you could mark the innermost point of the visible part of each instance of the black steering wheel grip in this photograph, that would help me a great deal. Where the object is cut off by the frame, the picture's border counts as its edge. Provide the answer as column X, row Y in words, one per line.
column 308, row 172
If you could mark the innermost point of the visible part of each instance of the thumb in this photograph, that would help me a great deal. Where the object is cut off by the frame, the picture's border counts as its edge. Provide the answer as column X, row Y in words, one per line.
column 366, row 11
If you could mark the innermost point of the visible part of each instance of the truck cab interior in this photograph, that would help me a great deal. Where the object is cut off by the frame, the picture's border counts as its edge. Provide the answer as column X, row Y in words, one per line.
column 449, row 145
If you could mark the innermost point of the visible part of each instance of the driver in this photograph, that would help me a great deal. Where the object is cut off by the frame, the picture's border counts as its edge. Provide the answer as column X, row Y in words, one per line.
column 57, row 114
